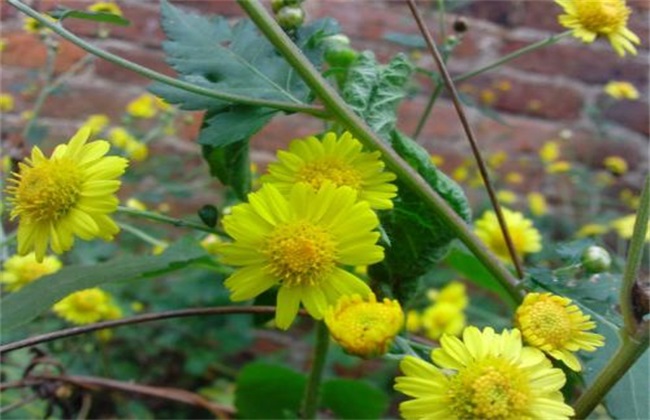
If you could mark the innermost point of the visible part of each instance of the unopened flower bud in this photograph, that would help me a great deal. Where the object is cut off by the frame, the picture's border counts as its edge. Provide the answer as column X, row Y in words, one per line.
column 596, row 259
column 290, row 17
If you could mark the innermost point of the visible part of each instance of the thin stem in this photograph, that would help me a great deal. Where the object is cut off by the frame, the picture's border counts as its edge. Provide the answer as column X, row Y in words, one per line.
column 142, row 235
column 169, row 220
column 441, row 18
column 339, row 109
column 154, row 75
column 634, row 256
column 515, row 54
column 624, row 358
column 468, row 132
column 310, row 399
column 138, row 319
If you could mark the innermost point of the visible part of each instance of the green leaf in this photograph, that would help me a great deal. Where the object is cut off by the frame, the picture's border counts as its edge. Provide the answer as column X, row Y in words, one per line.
column 238, row 60
column 62, row 13
column 266, row 391
column 21, row 307
column 374, row 91
column 418, row 238
column 353, row 399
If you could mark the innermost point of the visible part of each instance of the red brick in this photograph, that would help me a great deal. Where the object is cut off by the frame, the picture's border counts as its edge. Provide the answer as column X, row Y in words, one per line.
column 77, row 102
column 541, row 14
column 630, row 114
column 26, row 50
column 575, row 60
column 153, row 59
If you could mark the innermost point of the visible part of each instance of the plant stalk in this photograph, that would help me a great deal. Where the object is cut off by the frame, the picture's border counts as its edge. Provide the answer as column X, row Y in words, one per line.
column 169, row 220
column 159, row 77
column 339, row 110
column 310, row 399
column 446, row 77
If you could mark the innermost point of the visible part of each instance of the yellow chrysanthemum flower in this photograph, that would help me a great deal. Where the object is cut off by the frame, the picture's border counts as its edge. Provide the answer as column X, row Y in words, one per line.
column 525, row 238
column 460, row 174
column 137, row 151
column 484, row 376
column 514, row 178
column 144, row 106
column 87, row 306
column 105, row 7
column 6, row 102
column 537, row 204
column 454, row 293
column 496, row 160
column 591, row 229
column 554, row 325
column 629, row 198
column 592, row 18
column 298, row 242
column 624, row 227
column 97, row 123
column 549, row 152
column 364, row 327
column 559, row 167
column 615, row 165
column 621, row 90
column 120, row 137
column 506, row 197
column 19, row 270
column 413, row 321
column 339, row 160
column 70, row 194
column 442, row 318
column 437, row 160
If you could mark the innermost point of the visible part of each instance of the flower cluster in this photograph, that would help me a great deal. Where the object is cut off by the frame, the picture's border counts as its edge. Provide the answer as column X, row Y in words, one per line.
column 445, row 314
column 311, row 221
column 87, row 306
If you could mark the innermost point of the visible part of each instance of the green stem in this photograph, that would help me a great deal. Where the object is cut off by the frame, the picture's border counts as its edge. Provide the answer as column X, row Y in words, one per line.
column 634, row 256
column 427, row 109
column 169, row 220
column 515, row 54
column 142, row 235
column 624, row 358
column 310, row 399
column 159, row 77
column 339, row 109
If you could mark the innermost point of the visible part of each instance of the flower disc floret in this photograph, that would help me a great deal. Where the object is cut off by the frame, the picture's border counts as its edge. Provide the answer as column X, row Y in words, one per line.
column 525, row 238
column 592, row 18
column 486, row 376
column 299, row 242
column 557, row 327
column 339, row 160
column 67, row 195
column 364, row 327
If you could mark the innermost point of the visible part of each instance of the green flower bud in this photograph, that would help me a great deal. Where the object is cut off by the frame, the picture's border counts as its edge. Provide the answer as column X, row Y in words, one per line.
column 209, row 215
column 290, row 17
column 276, row 5
column 596, row 259
column 340, row 56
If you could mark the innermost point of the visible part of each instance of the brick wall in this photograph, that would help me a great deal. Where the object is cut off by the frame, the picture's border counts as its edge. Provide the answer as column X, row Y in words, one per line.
column 537, row 96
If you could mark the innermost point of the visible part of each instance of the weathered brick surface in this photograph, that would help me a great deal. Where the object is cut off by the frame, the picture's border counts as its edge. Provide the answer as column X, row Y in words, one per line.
column 153, row 59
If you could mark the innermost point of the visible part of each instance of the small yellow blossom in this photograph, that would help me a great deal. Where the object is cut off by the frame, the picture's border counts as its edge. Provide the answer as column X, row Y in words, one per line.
column 159, row 248
column 136, row 204
column 624, row 227
column 144, row 106
column 592, row 18
column 604, row 179
column 120, row 137
column 105, row 7
column 460, row 174
column 561, row 166
column 87, row 306
column 525, row 238
column 556, row 326
column 437, row 160
column 413, row 321
column 496, row 160
column 137, row 151
column 97, row 123
column 537, row 204
column 549, row 152
column 514, row 178
column 506, row 197
column 454, row 293
column 19, row 271
column 621, row 90
column 503, row 85
column 630, row 199
column 211, row 244
column 68, row 195
column 137, row 306
column 488, row 97
column 33, row 26
column 364, row 328
column 615, row 165
column 483, row 376
column 6, row 102
column 592, row 229
column 442, row 318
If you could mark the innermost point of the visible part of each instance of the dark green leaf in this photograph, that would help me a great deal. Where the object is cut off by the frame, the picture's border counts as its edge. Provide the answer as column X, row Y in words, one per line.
column 231, row 165
column 62, row 13
column 419, row 239
column 352, row 399
column 406, row 40
column 375, row 91
column 266, row 391
column 21, row 307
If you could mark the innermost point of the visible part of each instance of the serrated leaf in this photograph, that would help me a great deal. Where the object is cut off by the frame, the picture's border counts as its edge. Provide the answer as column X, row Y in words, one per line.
column 237, row 60
column 419, row 239
column 26, row 304
column 231, row 165
column 374, row 91
column 266, row 391
column 351, row 399
column 62, row 13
